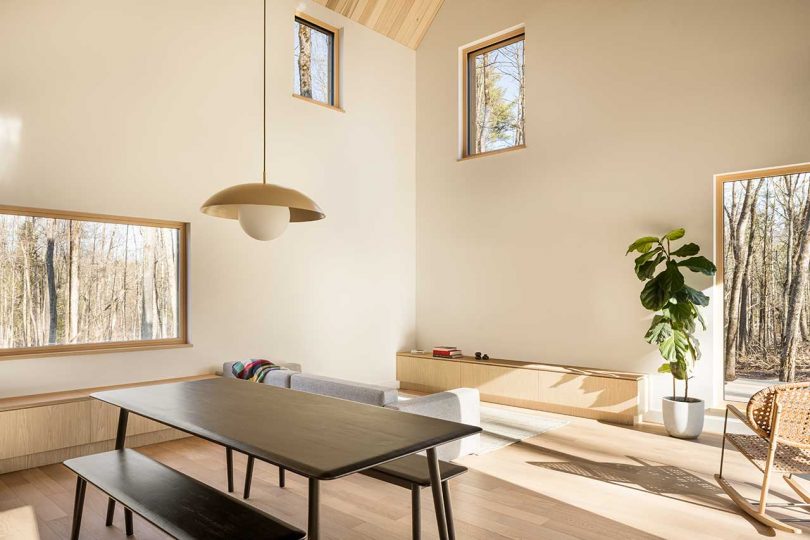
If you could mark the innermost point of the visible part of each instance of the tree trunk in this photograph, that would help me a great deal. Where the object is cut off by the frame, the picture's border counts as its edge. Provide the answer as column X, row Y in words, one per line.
column 741, row 258
column 49, row 268
column 305, row 60
column 787, row 367
column 73, row 282
column 148, row 284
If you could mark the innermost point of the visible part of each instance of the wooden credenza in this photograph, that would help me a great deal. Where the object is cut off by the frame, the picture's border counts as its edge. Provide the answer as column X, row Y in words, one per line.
column 613, row 396
column 50, row 428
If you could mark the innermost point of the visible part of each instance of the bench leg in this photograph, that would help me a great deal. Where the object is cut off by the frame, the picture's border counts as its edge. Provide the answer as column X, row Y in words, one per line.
column 416, row 512
column 120, row 441
column 248, row 476
column 451, row 530
column 78, row 506
column 281, row 478
column 438, row 497
column 128, row 521
column 229, row 466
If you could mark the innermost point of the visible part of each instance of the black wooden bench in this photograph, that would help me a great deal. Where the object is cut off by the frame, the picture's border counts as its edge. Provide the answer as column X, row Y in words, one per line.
column 178, row 505
column 410, row 472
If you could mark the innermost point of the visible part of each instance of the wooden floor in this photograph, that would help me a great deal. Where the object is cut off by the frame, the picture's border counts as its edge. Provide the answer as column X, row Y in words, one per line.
column 585, row 480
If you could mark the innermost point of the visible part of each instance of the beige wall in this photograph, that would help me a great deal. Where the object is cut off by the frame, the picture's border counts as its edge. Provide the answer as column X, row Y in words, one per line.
column 632, row 106
column 146, row 108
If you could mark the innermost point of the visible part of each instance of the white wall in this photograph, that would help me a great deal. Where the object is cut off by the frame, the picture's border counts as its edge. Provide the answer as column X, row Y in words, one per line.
column 147, row 108
column 632, row 106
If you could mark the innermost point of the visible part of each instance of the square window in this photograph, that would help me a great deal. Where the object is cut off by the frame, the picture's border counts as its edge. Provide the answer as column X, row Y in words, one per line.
column 315, row 62
column 494, row 95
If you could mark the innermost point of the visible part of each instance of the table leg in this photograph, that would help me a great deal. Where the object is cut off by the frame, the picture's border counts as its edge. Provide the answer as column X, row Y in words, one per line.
column 248, row 477
column 416, row 512
column 78, row 506
column 313, row 519
column 448, row 510
column 229, row 466
column 438, row 496
column 120, row 440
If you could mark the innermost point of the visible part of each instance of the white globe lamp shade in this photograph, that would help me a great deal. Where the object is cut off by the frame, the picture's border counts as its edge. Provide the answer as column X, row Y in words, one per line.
column 263, row 222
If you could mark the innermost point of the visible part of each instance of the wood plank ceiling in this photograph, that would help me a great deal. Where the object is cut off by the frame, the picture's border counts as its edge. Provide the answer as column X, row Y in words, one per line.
column 405, row 21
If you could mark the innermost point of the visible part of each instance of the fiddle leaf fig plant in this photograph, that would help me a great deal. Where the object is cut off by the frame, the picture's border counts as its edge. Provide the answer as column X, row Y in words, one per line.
column 676, row 305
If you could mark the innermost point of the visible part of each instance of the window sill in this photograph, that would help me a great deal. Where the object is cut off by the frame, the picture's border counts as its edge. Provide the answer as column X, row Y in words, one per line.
column 96, row 348
column 493, row 152
column 316, row 102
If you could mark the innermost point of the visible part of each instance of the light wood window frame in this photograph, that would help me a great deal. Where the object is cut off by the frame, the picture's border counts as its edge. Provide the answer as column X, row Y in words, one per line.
column 468, row 55
column 720, row 181
column 334, row 60
column 182, row 339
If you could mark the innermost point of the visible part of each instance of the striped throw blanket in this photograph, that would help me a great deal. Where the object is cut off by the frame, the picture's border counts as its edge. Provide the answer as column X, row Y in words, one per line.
column 254, row 370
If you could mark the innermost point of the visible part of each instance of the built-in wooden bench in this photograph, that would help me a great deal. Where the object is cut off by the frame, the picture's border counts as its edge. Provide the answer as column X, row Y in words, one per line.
column 48, row 428
column 177, row 504
column 615, row 396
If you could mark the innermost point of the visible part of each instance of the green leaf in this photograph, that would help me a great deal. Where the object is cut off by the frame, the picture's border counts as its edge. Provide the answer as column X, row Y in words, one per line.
column 673, row 277
column 684, row 315
column 643, row 244
column 644, row 257
column 674, row 234
column 660, row 329
column 654, row 295
column 674, row 347
column 699, row 264
column 686, row 250
column 664, row 368
column 646, row 270
column 694, row 296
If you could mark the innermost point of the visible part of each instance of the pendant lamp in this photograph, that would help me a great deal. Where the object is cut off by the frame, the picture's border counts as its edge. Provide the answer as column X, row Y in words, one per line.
column 263, row 209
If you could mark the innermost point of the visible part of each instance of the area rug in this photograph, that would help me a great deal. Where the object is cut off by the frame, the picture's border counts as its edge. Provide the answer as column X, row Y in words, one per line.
column 502, row 427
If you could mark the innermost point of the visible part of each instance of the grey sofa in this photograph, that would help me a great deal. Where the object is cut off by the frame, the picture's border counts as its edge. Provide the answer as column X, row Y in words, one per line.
column 459, row 405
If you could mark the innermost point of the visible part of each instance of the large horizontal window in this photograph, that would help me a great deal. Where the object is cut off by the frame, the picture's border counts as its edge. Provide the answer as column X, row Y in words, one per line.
column 72, row 282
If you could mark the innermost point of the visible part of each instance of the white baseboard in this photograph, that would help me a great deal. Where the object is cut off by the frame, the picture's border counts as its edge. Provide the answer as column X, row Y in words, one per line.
column 713, row 423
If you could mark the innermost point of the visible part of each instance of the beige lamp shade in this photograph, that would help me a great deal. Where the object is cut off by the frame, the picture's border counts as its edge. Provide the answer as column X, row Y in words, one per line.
column 226, row 203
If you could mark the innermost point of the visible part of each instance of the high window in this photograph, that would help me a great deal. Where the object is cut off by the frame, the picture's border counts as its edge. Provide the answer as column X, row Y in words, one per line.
column 73, row 282
column 494, row 94
column 315, row 61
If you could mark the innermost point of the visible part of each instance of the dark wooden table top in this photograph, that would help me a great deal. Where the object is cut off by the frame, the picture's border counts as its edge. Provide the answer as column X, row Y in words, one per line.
column 315, row 436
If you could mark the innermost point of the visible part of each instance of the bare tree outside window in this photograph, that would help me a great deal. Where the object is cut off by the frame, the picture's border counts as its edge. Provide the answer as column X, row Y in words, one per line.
column 766, row 260
column 496, row 96
column 70, row 282
column 313, row 62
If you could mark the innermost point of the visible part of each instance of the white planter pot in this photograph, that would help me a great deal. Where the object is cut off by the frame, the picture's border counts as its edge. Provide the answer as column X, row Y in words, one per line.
column 683, row 419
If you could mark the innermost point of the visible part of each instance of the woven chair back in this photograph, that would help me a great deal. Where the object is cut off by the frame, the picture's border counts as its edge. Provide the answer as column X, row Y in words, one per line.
column 794, row 418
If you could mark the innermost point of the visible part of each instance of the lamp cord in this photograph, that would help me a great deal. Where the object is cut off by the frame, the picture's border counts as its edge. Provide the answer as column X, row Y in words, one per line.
column 264, row 93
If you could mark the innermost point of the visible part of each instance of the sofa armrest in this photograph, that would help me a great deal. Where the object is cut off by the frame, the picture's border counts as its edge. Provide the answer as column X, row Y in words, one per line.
column 461, row 405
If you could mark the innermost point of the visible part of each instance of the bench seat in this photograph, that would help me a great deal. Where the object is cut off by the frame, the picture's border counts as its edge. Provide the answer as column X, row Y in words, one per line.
column 177, row 504
column 412, row 470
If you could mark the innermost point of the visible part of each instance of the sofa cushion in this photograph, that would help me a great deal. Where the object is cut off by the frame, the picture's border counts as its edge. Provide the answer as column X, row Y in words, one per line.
column 354, row 391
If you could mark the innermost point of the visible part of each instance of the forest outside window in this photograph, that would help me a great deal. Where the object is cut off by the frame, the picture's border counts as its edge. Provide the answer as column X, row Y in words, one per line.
column 763, row 223
column 494, row 95
column 315, row 65
column 74, row 282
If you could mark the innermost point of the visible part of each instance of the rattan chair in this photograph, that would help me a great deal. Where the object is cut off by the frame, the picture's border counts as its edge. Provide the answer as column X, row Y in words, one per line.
column 779, row 416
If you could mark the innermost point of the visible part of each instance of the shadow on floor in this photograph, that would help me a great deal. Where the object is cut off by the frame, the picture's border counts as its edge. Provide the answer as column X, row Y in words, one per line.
column 658, row 479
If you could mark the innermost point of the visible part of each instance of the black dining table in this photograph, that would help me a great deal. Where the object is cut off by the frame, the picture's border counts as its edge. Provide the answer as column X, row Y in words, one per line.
column 318, row 437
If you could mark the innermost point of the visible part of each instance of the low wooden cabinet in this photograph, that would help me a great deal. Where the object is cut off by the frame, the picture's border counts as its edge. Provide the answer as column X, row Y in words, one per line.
column 49, row 428
column 613, row 396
